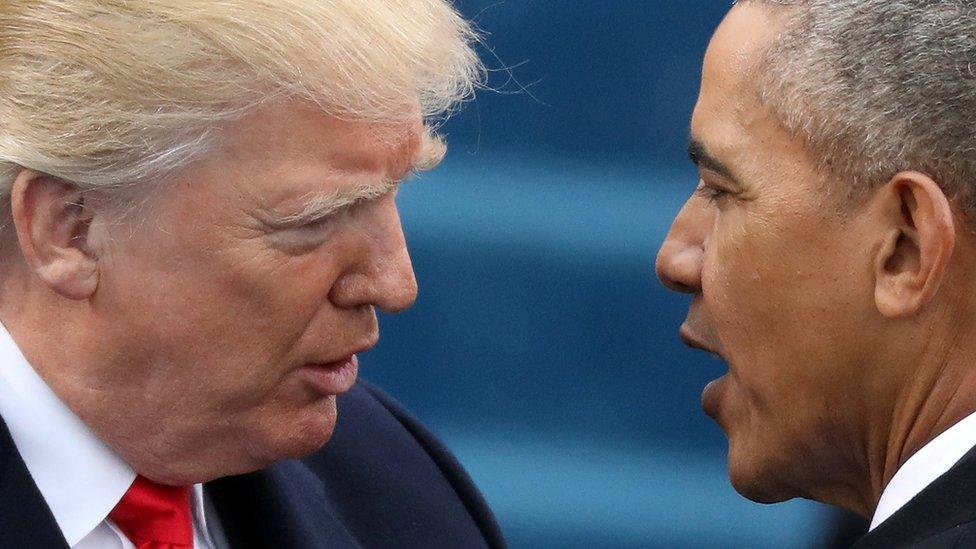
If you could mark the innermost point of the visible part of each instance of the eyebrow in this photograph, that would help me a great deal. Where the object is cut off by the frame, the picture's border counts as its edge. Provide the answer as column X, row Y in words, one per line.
column 321, row 205
column 703, row 159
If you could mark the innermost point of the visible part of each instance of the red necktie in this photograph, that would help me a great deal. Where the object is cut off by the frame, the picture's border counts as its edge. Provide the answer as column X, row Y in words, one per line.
column 154, row 516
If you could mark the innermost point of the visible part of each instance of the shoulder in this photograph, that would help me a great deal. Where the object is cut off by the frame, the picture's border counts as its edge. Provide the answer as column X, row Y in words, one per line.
column 25, row 519
column 950, row 524
column 394, row 482
column 958, row 537
column 941, row 515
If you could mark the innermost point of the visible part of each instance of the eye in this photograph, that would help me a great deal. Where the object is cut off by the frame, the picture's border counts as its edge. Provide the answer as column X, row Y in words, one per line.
column 711, row 193
column 314, row 226
column 321, row 227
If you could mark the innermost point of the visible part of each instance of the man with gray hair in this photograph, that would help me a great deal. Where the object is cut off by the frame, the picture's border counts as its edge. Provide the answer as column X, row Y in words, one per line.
column 830, row 252
column 198, row 223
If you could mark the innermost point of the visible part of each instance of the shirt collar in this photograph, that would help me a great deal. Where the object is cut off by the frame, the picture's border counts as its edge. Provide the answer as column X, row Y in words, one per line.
column 926, row 465
column 80, row 477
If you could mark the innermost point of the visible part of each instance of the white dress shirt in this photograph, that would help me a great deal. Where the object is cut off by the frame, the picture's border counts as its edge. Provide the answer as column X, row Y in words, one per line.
column 926, row 465
column 80, row 478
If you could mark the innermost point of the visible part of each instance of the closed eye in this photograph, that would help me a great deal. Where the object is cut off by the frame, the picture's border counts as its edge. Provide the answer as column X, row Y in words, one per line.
column 317, row 224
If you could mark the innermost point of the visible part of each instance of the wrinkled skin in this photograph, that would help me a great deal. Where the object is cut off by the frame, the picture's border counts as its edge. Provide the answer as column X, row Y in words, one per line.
column 189, row 357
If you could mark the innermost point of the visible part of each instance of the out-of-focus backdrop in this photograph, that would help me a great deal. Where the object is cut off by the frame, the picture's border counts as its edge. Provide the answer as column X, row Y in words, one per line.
column 542, row 349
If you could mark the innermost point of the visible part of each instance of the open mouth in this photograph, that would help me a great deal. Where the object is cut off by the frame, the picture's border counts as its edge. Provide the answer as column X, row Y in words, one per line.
column 713, row 393
column 333, row 378
column 695, row 342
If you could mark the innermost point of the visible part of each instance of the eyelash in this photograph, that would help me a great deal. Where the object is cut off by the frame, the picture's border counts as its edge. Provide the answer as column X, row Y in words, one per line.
column 317, row 224
column 710, row 193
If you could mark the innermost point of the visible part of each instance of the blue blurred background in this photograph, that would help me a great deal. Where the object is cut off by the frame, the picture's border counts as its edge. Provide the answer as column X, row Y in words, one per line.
column 542, row 348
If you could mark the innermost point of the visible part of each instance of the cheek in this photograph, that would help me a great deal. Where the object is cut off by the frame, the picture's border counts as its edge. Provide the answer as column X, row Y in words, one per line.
column 231, row 318
column 759, row 269
column 735, row 275
column 273, row 290
column 785, row 307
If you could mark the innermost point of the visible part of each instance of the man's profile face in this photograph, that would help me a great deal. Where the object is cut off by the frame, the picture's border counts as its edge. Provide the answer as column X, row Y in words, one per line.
column 776, row 273
column 242, row 284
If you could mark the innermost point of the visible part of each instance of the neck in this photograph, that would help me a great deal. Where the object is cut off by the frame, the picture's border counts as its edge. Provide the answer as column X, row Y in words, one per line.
column 938, row 391
column 916, row 382
column 67, row 352
column 83, row 360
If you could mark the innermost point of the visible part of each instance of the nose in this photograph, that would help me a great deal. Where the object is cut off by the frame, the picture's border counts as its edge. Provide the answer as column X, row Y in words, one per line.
column 680, row 259
column 384, row 276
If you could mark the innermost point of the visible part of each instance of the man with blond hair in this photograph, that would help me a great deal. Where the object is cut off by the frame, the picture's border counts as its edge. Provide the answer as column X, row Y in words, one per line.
column 830, row 253
column 198, row 223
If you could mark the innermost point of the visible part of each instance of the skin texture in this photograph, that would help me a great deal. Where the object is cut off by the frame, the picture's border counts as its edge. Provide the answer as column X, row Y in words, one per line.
column 845, row 323
column 182, row 340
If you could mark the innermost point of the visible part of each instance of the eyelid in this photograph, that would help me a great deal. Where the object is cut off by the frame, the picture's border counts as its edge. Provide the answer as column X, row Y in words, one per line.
column 323, row 219
column 318, row 221
column 711, row 192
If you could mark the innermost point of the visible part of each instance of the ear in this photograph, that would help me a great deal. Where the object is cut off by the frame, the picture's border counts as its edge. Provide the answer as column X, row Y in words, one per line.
column 920, row 238
column 52, row 225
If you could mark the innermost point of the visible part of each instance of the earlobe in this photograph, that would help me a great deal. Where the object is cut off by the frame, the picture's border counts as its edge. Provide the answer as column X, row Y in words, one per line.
column 917, row 247
column 52, row 224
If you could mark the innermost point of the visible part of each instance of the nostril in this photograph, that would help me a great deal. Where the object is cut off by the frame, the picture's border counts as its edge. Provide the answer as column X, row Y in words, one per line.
column 680, row 269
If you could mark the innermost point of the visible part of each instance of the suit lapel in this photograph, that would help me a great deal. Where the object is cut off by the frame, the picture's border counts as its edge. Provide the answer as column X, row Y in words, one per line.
column 25, row 519
column 935, row 510
column 282, row 506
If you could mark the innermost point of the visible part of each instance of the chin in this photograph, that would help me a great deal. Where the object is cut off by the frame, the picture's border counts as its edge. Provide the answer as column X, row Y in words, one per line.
column 297, row 434
column 756, row 492
column 754, row 480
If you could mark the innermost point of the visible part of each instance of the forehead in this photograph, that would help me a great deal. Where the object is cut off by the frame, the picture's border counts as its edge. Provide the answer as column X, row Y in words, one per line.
column 747, row 29
column 729, row 119
column 284, row 150
column 729, row 96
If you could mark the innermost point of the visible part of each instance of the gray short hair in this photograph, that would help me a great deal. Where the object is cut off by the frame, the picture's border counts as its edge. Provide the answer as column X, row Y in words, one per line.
column 879, row 86
column 105, row 94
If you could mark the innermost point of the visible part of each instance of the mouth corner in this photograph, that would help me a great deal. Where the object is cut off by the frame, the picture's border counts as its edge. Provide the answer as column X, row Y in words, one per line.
column 690, row 339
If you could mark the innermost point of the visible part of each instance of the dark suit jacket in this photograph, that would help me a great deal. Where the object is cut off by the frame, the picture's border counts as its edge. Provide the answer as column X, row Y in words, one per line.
column 382, row 481
column 941, row 516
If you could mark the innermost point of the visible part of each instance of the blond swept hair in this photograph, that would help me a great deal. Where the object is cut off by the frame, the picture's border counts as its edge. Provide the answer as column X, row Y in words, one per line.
column 107, row 93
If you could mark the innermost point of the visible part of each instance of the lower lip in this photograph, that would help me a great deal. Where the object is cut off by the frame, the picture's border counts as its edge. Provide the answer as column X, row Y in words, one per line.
column 712, row 396
column 333, row 378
